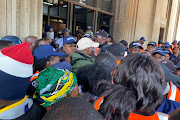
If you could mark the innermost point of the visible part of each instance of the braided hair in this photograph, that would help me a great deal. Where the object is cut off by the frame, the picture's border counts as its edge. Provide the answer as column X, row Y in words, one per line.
column 40, row 64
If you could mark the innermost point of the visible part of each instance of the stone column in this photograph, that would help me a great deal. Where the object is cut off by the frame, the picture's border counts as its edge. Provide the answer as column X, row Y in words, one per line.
column 125, row 20
column 21, row 18
column 178, row 31
column 143, row 18
column 156, row 20
column 170, row 29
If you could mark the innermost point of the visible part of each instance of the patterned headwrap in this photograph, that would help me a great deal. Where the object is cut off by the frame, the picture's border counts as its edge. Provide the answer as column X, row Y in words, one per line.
column 54, row 84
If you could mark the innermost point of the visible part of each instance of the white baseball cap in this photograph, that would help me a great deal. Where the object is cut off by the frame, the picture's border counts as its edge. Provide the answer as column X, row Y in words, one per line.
column 84, row 43
column 89, row 27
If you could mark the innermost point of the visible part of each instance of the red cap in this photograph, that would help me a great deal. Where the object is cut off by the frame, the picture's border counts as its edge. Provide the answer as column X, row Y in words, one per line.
column 21, row 53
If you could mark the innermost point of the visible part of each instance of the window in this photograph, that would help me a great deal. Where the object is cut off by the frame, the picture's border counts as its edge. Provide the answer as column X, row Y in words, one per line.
column 103, row 22
column 58, row 14
column 54, row 11
column 88, row 2
column 78, row 14
column 63, row 10
column 51, row 1
column 82, row 18
column 105, row 5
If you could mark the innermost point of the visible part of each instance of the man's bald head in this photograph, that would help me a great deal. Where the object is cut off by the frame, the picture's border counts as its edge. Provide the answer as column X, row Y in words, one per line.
column 32, row 40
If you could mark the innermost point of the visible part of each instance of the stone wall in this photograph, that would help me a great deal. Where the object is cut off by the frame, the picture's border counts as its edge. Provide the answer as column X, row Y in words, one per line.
column 21, row 18
column 125, row 19
column 172, row 21
column 144, row 18
column 132, row 19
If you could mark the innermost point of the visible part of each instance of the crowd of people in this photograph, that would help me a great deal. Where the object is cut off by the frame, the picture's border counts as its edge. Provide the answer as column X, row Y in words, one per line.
column 88, row 77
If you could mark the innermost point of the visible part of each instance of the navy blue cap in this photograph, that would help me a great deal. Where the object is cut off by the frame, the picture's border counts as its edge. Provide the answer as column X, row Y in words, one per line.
column 178, row 43
column 101, row 33
column 88, row 35
column 15, row 40
column 169, row 64
column 44, row 51
column 167, row 46
column 160, row 52
column 65, row 30
column 116, row 49
column 166, row 43
column 153, row 44
column 177, row 67
column 135, row 44
column 159, row 48
column 175, row 41
column 124, row 42
column 69, row 39
column 178, row 64
column 63, row 65
column 110, row 37
column 159, row 42
column 142, row 38
column 167, row 52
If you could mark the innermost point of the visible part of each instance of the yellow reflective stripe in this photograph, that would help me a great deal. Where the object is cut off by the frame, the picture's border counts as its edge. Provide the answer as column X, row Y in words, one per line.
column 13, row 105
column 34, row 96
column 59, row 81
column 64, row 89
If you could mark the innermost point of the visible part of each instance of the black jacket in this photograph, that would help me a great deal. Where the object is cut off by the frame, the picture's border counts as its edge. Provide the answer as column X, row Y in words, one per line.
column 36, row 112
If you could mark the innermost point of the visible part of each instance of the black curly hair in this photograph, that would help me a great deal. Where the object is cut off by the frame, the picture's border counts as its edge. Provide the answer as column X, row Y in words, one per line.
column 40, row 64
column 118, row 102
column 143, row 75
column 89, row 75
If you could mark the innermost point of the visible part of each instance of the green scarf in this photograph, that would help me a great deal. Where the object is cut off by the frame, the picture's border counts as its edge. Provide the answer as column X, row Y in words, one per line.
column 54, row 84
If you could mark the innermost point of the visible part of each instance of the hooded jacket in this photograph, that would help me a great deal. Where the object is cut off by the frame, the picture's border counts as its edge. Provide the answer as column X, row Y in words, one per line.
column 79, row 59
column 47, row 28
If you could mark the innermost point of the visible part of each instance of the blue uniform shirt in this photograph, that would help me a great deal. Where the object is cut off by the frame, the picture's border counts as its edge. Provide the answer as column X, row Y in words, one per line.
column 173, row 57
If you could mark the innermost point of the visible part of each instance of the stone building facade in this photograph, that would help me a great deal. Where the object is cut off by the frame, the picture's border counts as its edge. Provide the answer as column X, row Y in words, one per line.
column 123, row 19
column 153, row 19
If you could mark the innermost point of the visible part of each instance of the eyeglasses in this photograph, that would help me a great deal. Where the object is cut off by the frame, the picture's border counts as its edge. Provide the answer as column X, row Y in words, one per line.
column 160, row 57
column 136, row 50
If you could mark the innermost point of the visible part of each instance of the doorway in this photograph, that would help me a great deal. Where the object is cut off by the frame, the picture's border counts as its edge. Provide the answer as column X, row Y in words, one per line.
column 161, row 34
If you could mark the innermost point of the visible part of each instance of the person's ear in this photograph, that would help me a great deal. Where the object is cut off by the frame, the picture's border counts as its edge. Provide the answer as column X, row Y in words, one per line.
column 63, row 47
column 128, row 50
column 47, row 64
column 87, row 49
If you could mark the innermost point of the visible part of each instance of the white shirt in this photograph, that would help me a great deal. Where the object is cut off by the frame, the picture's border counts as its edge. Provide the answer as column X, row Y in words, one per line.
column 60, row 42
